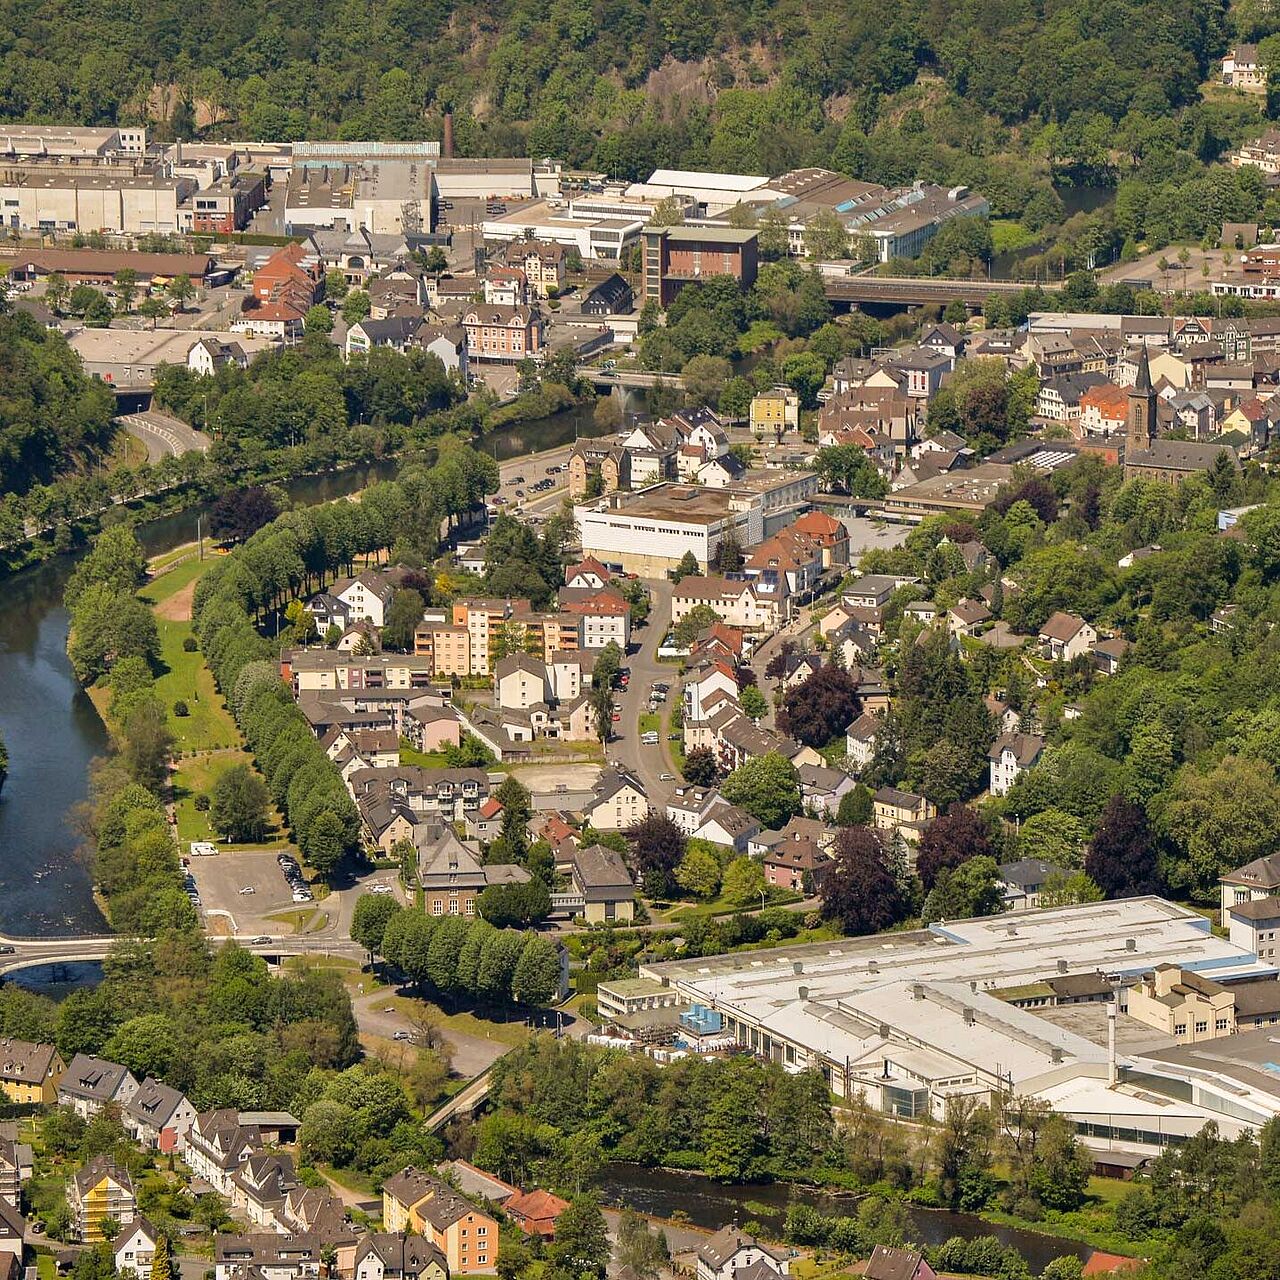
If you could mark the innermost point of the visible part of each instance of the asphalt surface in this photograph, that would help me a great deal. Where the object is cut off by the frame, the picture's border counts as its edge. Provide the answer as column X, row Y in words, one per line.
column 163, row 435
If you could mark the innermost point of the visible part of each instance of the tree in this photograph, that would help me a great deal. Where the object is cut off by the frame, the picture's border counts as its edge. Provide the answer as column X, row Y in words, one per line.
column 1052, row 836
column 767, row 787
column 743, row 881
column 1121, row 858
column 106, row 627
column 753, row 702
column 126, row 287
column 699, row 873
column 821, row 708
column 164, row 1266
column 704, row 378
column 729, row 557
column 319, row 319
column 859, row 888
column 700, row 767
column 181, row 290
column 373, row 912
column 825, row 237
column 355, row 306
column 733, row 1146
column 855, row 807
column 148, row 1045
column 536, row 979
column 239, row 805
column 657, row 848
column 515, row 906
column 238, row 513
column 971, row 889
column 153, row 308
column 407, row 608
column 697, row 619
column 581, row 1244
column 640, row 1247
column 952, row 839
column 324, row 841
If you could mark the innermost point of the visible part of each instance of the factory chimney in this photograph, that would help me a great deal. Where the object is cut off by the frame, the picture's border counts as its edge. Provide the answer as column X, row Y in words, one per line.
column 447, row 146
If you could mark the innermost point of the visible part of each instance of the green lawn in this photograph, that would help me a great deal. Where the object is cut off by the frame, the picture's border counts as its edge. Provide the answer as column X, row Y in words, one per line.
column 302, row 919
column 196, row 774
column 651, row 722
column 719, row 906
column 209, row 726
column 465, row 1023
column 428, row 759
column 170, row 581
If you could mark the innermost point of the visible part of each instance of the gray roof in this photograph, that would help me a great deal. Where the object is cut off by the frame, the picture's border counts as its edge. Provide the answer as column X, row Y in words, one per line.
column 94, row 1079
column 1029, row 873
column 601, row 874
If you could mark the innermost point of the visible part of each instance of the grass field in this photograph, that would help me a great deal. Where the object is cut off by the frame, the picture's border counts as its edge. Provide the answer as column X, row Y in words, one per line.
column 428, row 759
column 302, row 919
column 468, row 1024
column 196, row 774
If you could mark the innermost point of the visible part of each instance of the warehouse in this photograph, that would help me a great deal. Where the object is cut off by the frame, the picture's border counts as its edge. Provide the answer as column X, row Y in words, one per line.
column 910, row 1020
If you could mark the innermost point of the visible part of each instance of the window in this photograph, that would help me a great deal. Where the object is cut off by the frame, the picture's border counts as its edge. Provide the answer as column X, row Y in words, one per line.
column 1220, row 1024
column 1202, row 1027
column 1180, row 1029
column 437, row 907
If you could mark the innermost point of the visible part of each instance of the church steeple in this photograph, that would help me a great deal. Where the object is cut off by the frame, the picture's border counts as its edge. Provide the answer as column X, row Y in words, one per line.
column 1141, row 422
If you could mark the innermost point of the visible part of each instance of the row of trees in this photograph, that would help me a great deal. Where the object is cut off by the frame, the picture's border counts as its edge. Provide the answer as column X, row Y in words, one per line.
column 458, row 958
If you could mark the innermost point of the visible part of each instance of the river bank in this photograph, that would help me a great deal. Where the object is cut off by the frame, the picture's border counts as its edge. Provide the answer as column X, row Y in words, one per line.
column 53, row 730
column 691, row 1201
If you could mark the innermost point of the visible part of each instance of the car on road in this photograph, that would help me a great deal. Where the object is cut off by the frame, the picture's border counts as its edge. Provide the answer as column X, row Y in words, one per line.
column 248, row 889
column 260, row 941
column 402, row 1034
column 666, row 777
column 381, row 888
column 519, row 493
column 617, row 715
column 7, row 950
column 649, row 739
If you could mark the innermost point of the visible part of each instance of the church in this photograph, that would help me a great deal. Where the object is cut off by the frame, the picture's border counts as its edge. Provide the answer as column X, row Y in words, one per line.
column 1146, row 456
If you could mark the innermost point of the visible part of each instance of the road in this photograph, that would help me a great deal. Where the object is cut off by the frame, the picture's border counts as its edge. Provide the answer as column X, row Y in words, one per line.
column 649, row 762
column 164, row 436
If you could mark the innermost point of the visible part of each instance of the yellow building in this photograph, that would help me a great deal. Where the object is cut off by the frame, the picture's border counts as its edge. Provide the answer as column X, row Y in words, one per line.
column 101, row 1191
column 30, row 1072
column 1183, row 1004
column 775, row 412
column 420, row 1202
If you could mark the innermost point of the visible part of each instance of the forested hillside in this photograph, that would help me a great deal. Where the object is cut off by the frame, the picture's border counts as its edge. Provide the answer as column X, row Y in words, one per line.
column 51, row 415
column 929, row 88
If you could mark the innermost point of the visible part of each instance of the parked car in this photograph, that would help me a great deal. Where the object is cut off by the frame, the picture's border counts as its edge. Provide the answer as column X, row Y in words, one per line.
column 381, row 888
column 666, row 777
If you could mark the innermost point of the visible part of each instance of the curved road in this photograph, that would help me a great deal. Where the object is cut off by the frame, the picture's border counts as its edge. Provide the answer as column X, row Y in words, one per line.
column 164, row 436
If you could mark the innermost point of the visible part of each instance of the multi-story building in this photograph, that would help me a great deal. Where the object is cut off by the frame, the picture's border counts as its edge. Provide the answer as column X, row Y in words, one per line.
column 29, row 1073
column 227, row 205
column 484, row 620
column 159, row 1116
column 1182, row 1004
column 675, row 256
column 543, row 265
column 737, row 602
column 416, row 1201
column 1241, row 69
column 99, row 1193
column 90, row 1083
column 503, row 334
column 775, row 412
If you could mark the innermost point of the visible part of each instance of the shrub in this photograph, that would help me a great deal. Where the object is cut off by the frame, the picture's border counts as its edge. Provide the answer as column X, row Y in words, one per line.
column 188, row 644
column 202, row 803
column 180, row 708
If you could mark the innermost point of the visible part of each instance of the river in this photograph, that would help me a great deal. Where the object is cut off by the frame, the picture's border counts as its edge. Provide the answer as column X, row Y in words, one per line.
column 702, row 1203
column 53, row 732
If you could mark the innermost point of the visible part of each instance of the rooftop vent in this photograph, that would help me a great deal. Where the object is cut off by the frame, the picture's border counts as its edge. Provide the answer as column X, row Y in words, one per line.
column 1131, row 944
column 968, row 1016
column 803, row 993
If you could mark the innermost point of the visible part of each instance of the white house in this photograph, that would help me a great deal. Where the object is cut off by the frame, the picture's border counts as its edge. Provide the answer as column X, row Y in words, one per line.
column 860, row 739
column 1066, row 637
column 367, row 597
column 731, row 1251
column 521, row 680
column 134, row 1248
column 1010, row 756
column 619, row 802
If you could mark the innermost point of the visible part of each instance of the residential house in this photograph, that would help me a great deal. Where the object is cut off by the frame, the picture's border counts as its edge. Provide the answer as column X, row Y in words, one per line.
column 383, row 1256
column 135, row 1246
column 702, row 682
column 1109, row 653
column 794, row 863
column 829, row 533
column 269, row 1256
column 158, row 1116
column 1064, row 637
column 367, row 597
column 690, row 806
column 543, row 265
column 872, row 590
column 535, row 1212
column 506, row 287
column 448, row 343
column 618, row 801
column 16, row 1164
column 966, row 616
column 613, row 296
column 486, row 822
column 90, row 1083
column 13, row 1234
column 413, row 1200
column 822, row 789
column 211, row 354
column 217, row 1145
column 775, row 412
column 736, row 602
column 29, row 1073
column 1104, row 411
column 475, row 1183
column 1257, row 879
column 729, row 826
column 1255, row 925
column 521, row 680
column 1011, row 755
column 587, row 573
column 260, row 1187
column 99, row 1193
column 600, row 884
column 902, row 812
column 1060, row 400
column 860, row 739
column 1023, row 881
column 730, row 1252
column 888, row 1263
column 1242, row 69
column 452, row 876
column 603, row 615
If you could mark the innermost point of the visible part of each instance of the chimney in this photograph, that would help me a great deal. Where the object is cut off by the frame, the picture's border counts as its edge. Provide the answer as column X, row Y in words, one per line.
column 797, row 967
column 917, row 990
column 1062, row 966
column 968, row 1016
column 1056, row 1054
column 447, row 146
column 873, row 966
column 884, row 1032
column 1131, row 944
column 803, row 993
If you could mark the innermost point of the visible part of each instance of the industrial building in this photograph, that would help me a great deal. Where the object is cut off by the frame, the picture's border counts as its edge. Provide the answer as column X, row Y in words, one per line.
column 1026, row 1002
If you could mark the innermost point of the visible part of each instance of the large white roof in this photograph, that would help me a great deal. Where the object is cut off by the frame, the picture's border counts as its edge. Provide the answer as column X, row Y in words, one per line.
column 707, row 181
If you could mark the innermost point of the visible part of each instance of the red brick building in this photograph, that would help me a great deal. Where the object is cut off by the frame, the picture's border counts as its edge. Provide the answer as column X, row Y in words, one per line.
column 504, row 334
column 675, row 256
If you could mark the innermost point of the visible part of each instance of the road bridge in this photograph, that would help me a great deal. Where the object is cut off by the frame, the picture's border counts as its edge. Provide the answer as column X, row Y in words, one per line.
column 29, row 953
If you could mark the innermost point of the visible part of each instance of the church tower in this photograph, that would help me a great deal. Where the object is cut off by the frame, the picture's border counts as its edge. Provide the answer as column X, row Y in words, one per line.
column 1140, row 427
